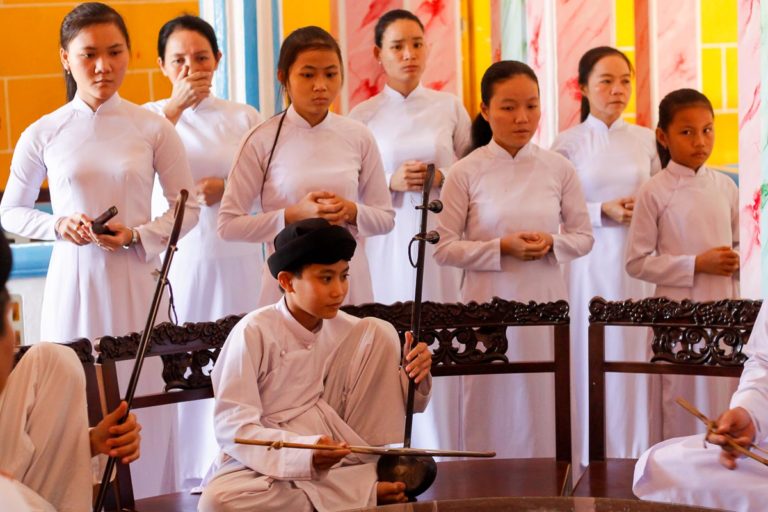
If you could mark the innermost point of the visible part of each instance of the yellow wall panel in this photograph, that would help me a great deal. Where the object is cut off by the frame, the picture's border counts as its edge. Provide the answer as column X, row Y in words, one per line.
column 712, row 76
column 719, row 21
column 726, row 140
column 5, row 168
column 632, row 105
column 144, row 20
column 625, row 23
column 136, row 88
column 732, row 77
column 33, row 33
column 483, row 49
column 3, row 119
column 36, row 30
column 30, row 98
column 300, row 13
column 161, row 86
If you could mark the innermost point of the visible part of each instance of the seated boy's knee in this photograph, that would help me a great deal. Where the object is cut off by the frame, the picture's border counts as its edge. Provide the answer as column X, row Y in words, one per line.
column 214, row 499
column 56, row 359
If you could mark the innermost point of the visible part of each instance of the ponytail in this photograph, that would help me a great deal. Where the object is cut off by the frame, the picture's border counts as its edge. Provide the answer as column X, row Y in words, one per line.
column 584, row 108
column 664, row 155
column 71, row 85
column 481, row 132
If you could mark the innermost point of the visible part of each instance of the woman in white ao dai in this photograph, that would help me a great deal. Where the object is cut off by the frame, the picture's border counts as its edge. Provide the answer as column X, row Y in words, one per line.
column 684, row 239
column 513, row 213
column 211, row 278
column 414, row 126
column 97, row 151
column 308, row 162
column 613, row 159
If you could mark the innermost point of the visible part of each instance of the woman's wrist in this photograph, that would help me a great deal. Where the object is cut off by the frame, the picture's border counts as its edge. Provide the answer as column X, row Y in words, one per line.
column 134, row 239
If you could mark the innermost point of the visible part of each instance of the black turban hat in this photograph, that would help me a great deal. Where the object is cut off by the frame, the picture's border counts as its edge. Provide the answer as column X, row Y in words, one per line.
column 6, row 260
column 310, row 241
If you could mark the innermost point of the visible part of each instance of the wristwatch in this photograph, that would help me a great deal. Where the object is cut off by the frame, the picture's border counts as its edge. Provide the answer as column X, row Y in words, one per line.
column 134, row 239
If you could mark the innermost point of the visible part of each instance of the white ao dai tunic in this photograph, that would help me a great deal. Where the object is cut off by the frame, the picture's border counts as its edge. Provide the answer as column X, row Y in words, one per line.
column 94, row 160
column 611, row 162
column 338, row 155
column 487, row 195
column 680, row 213
column 431, row 127
column 211, row 277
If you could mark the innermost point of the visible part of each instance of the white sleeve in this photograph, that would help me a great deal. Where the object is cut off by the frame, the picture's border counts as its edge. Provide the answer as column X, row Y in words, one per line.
column 238, row 410
column 17, row 208
column 243, row 190
column 575, row 238
column 375, row 215
column 462, row 132
column 172, row 168
column 452, row 249
column 642, row 260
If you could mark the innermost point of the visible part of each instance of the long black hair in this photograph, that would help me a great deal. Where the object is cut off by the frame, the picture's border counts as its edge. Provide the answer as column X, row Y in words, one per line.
column 669, row 106
column 82, row 16
column 497, row 72
column 587, row 64
column 186, row 22
column 389, row 18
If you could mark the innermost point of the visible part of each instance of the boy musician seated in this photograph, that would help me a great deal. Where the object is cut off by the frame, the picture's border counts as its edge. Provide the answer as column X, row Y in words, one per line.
column 683, row 470
column 45, row 444
column 302, row 371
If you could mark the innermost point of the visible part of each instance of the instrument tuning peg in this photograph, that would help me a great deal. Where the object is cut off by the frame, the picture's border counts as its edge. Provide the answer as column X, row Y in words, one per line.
column 435, row 206
column 431, row 237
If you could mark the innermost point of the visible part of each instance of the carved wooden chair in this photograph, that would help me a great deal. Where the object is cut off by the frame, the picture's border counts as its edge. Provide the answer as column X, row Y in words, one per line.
column 480, row 333
column 689, row 338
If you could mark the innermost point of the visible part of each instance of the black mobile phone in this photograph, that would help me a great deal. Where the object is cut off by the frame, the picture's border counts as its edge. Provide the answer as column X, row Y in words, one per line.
column 98, row 224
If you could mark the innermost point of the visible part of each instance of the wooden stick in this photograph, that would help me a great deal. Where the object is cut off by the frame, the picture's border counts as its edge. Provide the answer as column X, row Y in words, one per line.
column 370, row 450
column 712, row 428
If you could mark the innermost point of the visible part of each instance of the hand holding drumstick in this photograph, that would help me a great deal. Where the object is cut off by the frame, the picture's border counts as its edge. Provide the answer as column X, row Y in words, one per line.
column 734, row 431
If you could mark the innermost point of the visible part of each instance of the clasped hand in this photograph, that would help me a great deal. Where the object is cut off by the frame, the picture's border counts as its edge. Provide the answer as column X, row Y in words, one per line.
column 619, row 209
column 527, row 245
column 327, row 205
column 720, row 261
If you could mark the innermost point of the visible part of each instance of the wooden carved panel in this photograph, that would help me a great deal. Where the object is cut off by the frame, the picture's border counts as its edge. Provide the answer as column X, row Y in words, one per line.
column 697, row 333
column 466, row 333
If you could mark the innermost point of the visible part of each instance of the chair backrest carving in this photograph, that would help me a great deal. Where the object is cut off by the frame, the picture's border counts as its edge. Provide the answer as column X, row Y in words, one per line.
column 689, row 338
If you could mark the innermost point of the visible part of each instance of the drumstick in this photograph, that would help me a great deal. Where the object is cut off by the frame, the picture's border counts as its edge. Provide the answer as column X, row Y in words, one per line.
column 712, row 428
column 369, row 450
